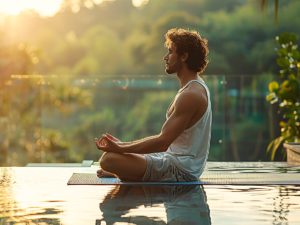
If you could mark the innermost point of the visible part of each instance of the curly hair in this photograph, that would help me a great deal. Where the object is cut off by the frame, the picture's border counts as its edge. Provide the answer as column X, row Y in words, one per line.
column 192, row 43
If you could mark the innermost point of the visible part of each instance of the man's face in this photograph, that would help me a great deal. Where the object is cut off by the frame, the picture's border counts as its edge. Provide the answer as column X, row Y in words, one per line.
column 173, row 63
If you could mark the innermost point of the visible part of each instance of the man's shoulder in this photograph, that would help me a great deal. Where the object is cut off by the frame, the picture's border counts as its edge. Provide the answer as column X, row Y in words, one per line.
column 197, row 88
column 193, row 97
column 195, row 91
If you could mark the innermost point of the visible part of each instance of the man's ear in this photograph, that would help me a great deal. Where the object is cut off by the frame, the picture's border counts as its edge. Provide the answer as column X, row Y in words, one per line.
column 184, row 56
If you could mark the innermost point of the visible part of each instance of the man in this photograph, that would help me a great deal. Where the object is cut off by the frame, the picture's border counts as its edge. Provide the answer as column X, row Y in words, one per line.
column 180, row 151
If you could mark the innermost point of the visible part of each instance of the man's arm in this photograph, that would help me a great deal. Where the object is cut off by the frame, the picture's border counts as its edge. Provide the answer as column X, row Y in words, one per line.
column 186, row 106
column 137, row 141
column 128, row 143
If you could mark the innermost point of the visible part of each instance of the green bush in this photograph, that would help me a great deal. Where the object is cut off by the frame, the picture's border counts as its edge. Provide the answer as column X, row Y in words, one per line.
column 287, row 94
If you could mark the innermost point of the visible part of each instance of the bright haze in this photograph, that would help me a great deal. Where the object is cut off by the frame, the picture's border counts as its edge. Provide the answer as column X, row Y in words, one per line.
column 43, row 7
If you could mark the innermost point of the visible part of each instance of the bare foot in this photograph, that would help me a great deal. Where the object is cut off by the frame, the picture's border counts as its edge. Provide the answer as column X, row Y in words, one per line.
column 102, row 173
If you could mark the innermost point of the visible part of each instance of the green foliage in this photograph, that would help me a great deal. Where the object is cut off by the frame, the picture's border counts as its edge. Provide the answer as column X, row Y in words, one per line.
column 115, row 38
column 147, row 113
column 288, row 92
column 25, row 99
column 22, row 99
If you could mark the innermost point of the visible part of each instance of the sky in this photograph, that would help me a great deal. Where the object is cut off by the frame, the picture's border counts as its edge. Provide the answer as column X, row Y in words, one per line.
column 43, row 7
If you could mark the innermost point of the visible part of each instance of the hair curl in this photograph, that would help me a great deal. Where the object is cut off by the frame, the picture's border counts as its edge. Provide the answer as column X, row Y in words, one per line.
column 192, row 43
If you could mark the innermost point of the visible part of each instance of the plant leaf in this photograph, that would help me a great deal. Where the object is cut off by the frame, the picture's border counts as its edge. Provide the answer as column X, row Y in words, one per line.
column 295, row 54
column 275, row 147
column 293, row 37
column 270, row 145
column 285, row 38
column 273, row 86
column 282, row 52
column 282, row 124
column 283, row 62
column 292, row 77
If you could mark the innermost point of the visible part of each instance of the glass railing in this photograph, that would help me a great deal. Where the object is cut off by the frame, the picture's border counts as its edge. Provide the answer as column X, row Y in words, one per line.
column 54, row 119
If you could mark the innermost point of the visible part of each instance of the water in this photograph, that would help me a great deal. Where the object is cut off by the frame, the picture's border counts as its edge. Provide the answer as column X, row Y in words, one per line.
column 42, row 196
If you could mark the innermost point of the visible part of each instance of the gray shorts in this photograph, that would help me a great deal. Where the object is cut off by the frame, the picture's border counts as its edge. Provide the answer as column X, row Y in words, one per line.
column 161, row 169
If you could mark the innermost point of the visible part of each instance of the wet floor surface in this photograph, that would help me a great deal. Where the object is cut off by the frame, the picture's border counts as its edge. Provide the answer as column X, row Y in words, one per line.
column 42, row 196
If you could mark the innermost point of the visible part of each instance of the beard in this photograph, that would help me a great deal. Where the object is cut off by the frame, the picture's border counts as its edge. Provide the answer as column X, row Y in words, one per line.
column 175, row 68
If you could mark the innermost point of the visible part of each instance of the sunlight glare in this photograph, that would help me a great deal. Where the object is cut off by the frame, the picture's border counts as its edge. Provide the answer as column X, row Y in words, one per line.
column 97, row 2
column 44, row 7
column 138, row 3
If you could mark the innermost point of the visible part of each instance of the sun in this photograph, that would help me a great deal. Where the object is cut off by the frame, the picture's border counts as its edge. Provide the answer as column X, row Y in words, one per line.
column 44, row 7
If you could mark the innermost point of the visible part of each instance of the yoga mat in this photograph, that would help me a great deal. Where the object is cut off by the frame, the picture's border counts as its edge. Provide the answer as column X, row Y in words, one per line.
column 206, row 178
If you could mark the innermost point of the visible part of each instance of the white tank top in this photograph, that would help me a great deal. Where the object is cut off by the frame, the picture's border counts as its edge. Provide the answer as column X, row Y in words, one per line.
column 189, row 151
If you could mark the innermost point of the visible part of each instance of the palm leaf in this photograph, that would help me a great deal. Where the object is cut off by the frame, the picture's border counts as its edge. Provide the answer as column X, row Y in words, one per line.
column 276, row 12
column 270, row 145
column 275, row 147
column 262, row 7
column 264, row 4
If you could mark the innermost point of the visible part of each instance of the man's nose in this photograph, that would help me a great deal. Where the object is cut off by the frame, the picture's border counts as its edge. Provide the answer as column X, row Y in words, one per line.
column 165, row 57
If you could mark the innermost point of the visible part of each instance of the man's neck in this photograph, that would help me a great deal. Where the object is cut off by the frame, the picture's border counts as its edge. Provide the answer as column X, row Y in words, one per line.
column 186, row 76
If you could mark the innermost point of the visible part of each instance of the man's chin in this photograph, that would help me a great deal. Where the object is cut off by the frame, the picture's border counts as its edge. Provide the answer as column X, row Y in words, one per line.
column 170, row 71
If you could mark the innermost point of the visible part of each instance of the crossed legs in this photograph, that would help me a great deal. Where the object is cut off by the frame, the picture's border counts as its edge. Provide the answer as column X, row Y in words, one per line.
column 127, row 166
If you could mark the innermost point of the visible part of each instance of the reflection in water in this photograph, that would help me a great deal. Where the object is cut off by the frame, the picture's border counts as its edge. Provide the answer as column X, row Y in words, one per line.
column 41, row 196
column 13, row 212
column 282, row 204
column 183, row 204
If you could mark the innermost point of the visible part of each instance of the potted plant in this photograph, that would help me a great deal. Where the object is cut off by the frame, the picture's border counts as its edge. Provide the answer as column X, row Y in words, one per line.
column 287, row 94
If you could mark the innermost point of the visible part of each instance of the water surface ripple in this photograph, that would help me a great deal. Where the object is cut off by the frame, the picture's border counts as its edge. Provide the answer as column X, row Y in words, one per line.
column 42, row 196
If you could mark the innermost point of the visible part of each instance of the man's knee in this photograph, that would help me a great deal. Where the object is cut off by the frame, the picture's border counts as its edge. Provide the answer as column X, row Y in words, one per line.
column 107, row 160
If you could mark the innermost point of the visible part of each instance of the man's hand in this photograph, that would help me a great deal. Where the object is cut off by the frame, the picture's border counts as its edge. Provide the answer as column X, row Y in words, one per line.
column 113, row 138
column 107, row 144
